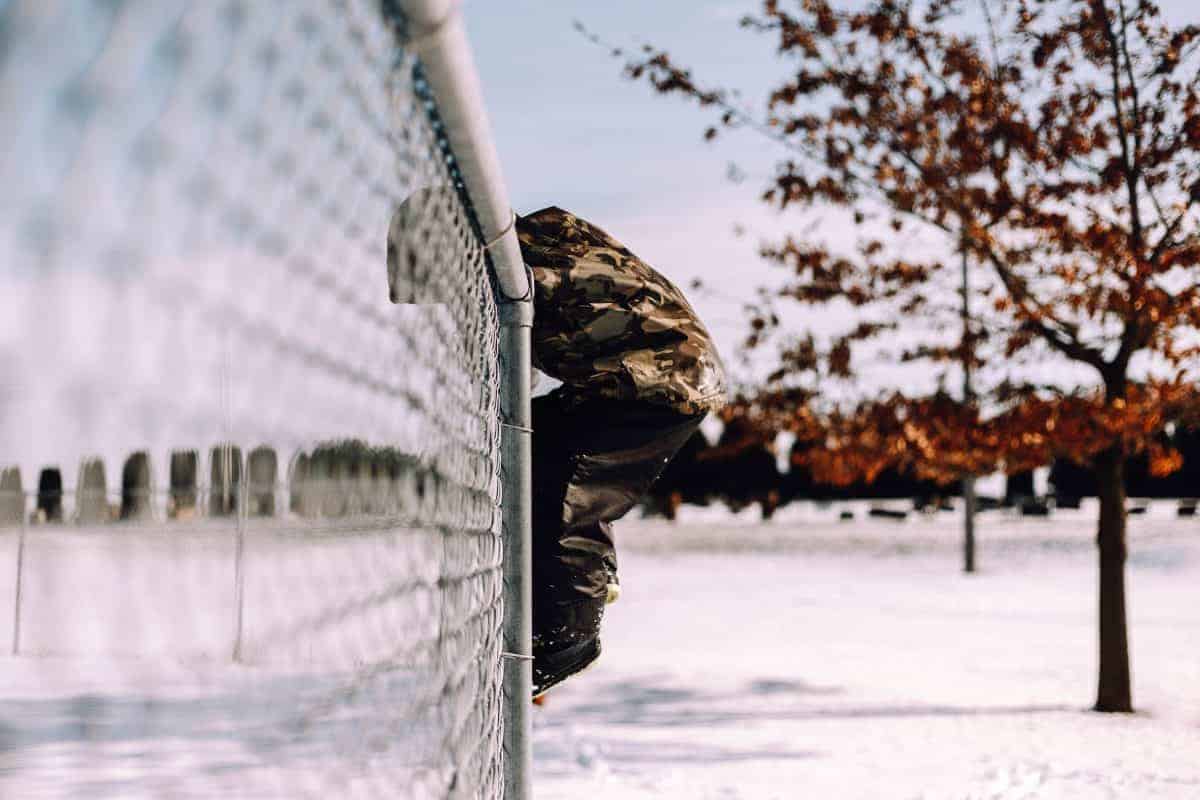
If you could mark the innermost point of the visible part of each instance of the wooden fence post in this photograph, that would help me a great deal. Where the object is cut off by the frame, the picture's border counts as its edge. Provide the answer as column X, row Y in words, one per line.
column 91, row 493
column 263, row 469
column 12, row 497
column 185, row 472
column 137, row 492
column 50, row 495
column 225, row 478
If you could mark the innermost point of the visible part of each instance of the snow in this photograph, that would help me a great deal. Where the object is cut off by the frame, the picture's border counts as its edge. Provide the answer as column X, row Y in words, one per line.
column 86, row 728
column 814, row 658
column 124, row 683
column 805, row 657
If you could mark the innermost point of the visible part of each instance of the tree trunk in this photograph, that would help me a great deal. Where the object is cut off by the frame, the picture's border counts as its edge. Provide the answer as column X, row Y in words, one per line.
column 968, row 492
column 968, row 486
column 1114, row 692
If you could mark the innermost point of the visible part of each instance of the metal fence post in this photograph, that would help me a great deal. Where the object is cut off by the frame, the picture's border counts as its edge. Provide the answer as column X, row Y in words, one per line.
column 239, row 561
column 17, row 594
column 436, row 34
column 516, row 319
column 12, row 512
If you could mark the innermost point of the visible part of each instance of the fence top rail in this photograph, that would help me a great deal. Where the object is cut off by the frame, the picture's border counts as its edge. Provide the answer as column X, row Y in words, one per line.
column 439, row 38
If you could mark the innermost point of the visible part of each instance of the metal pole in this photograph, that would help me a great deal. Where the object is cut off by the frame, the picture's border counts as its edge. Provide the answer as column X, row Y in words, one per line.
column 16, row 632
column 969, row 524
column 438, row 37
column 239, row 552
column 516, row 319
column 968, row 484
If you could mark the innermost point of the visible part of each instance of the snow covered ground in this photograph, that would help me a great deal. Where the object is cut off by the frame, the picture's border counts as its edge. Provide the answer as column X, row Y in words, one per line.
column 812, row 658
column 366, row 665
column 802, row 658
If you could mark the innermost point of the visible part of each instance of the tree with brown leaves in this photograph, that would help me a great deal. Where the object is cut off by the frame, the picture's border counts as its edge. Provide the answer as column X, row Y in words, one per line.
column 1052, row 144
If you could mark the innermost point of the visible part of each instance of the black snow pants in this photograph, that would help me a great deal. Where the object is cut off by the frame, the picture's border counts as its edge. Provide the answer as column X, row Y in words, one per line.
column 593, row 461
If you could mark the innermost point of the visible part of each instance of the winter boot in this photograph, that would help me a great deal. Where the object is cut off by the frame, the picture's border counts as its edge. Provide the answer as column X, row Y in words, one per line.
column 552, row 668
column 566, row 641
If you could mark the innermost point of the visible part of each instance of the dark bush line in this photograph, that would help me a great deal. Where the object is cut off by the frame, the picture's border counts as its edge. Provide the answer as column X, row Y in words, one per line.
column 740, row 469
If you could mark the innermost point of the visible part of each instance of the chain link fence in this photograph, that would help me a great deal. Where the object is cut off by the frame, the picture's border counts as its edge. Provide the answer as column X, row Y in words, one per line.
column 249, row 506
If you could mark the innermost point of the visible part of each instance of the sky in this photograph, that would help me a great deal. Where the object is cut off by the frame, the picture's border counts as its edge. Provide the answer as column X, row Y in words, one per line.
column 573, row 132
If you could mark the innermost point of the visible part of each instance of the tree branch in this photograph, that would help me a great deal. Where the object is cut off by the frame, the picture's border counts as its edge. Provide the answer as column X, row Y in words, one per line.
column 1135, row 99
column 1015, row 285
column 1127, row 158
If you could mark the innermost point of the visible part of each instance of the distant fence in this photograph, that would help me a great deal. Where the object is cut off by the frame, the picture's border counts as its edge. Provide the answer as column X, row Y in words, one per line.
column 332, row 480
column 348, row 480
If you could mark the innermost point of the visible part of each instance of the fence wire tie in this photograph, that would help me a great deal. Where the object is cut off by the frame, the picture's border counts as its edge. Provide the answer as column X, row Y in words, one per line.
column 495, row 240
column 515, row 656
column 487, row 248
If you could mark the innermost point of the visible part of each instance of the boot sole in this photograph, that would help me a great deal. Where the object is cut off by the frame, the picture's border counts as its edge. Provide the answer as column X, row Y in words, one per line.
column 586, row 656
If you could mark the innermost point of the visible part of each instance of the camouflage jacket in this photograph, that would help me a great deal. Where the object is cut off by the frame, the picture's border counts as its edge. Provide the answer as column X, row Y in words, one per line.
column 609, row 326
